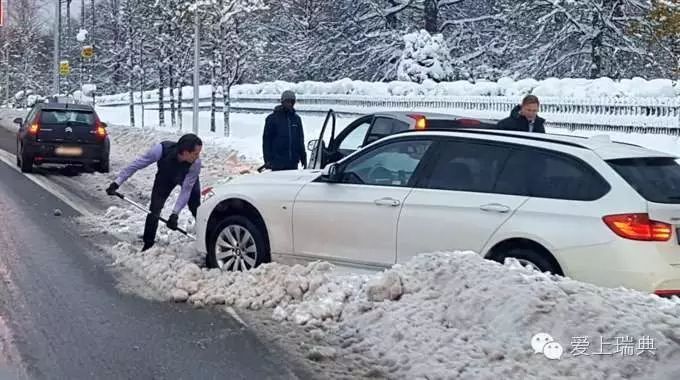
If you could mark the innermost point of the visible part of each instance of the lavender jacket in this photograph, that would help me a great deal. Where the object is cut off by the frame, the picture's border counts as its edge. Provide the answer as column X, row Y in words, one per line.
column 153, row 155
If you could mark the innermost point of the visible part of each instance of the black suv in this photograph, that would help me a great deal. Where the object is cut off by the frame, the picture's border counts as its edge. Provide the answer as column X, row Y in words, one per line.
column 62, row 133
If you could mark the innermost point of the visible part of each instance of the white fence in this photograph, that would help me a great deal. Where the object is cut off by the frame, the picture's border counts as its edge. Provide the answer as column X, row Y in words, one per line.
column 646, row 115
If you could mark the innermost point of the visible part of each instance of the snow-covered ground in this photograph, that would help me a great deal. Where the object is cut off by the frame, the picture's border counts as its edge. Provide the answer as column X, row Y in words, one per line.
column 439, row 316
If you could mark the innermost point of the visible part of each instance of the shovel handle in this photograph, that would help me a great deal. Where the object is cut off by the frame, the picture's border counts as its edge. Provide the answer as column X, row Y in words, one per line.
column 137, row 205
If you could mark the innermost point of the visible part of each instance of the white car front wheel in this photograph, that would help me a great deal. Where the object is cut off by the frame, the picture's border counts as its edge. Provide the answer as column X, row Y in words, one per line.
column 237, row 245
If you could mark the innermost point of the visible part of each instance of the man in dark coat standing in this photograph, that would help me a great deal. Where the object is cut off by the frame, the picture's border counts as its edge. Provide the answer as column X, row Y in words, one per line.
column 283, row 140
column 524, row 117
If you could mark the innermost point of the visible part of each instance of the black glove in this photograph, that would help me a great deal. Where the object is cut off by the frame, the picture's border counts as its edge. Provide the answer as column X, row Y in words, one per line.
column 172, row 222
column 113, row 187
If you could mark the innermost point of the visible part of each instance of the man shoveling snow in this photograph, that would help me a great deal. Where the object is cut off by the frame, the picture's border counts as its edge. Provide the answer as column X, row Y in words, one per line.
column 178, row 164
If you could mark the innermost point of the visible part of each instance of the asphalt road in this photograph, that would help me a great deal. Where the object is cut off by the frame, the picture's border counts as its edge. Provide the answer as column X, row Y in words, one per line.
column 7, row 137
column 60, row 306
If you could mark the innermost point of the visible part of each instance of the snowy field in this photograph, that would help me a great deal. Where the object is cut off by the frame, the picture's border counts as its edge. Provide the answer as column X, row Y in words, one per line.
column 246, row 129
column 444, row 315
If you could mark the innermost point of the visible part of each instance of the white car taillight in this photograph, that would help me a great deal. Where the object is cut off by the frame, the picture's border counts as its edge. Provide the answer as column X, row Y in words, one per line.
column 638, row 227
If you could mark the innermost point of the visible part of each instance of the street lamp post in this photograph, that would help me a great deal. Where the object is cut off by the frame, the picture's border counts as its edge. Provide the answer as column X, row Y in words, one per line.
column 57, row 38
column 197, row 64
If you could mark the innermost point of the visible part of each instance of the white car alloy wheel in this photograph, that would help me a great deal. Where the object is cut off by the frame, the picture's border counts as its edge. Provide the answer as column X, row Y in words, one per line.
column 235, row 249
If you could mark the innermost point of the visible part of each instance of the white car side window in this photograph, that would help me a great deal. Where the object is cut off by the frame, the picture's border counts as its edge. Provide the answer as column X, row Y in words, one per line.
column 390, row 165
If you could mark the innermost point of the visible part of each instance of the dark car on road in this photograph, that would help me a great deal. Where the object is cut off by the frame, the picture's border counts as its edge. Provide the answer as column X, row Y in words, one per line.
column 62, row 133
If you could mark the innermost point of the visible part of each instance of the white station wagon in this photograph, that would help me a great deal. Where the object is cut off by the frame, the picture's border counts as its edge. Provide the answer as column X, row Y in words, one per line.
column 594, row 210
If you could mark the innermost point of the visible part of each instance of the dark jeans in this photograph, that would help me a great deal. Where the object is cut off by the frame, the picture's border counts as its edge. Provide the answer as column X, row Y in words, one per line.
column 160, row 194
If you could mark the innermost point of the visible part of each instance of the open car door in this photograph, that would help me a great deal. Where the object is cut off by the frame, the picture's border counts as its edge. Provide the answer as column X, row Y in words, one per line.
column 319, row 148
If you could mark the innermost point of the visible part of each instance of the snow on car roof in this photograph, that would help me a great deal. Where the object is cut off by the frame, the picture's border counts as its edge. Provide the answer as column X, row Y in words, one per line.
column 65, row 106
column 430, row 115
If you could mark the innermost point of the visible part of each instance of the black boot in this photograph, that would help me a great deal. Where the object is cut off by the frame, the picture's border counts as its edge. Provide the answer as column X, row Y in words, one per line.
column 147, row 246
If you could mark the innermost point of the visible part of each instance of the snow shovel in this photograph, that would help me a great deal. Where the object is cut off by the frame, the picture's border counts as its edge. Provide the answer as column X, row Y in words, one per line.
column 137, row 205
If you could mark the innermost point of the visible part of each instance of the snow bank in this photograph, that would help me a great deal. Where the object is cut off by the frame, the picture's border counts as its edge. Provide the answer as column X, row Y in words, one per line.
column 464, row 317
column 551, row 87
column 440, row 315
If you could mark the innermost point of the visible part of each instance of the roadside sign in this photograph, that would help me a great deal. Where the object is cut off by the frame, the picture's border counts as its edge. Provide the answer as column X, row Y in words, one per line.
column 64, row 68
column 87, row 52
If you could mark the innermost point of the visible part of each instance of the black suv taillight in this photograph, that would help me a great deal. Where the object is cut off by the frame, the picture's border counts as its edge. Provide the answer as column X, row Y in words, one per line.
column 34, row 128
column 100, row 131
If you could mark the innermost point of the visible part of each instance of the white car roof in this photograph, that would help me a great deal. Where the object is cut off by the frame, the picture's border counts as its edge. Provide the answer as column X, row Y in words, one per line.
column 429, row 115
column 404, row 115
column 601, row 145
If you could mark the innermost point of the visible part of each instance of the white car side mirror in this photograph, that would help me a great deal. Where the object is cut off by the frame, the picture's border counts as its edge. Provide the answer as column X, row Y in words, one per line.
column 311, row 144
column 330, row 172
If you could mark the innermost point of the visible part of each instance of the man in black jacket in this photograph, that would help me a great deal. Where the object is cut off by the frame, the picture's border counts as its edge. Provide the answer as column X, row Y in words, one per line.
column 283, row 140
column 524, row 117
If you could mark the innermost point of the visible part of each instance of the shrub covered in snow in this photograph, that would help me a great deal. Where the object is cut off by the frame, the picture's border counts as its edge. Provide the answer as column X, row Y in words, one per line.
column 29, row 99
column 33, row 99
column 82, row 35
column 89, row 89
column 21, row 94
column 424, row 57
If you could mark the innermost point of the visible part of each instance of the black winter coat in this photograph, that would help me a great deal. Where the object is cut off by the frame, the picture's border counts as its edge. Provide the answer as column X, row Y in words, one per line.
column 283, row 140
column 517, row 122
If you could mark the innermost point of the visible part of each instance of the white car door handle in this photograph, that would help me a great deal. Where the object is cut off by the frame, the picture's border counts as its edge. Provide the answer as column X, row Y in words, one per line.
column 387, row 202
column 495, row 207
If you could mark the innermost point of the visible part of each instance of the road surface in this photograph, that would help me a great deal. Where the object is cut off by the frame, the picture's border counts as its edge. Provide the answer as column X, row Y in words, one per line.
column 62, row 317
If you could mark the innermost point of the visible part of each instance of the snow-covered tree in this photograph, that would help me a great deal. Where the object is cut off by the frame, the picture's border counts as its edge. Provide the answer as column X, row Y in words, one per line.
column 149, row 44
column 225, row 51
column 374, row 37
column 26, row 55
column 234, row 53
column 579, row 38
column 663, row 33
column 425, row 57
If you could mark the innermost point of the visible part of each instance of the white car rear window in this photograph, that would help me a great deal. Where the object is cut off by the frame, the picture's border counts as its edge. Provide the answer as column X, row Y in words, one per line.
column 657, row 179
